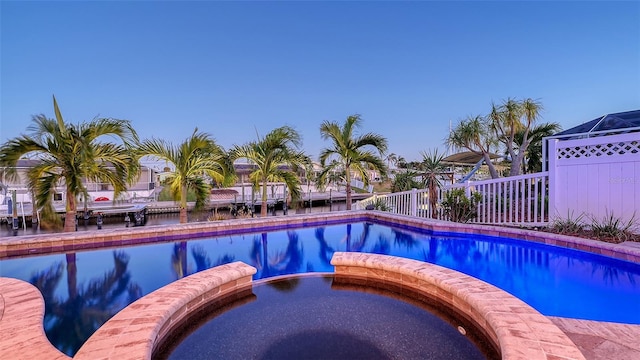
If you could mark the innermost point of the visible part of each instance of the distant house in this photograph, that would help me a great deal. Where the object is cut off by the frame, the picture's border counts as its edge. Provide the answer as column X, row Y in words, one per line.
column 143, row 188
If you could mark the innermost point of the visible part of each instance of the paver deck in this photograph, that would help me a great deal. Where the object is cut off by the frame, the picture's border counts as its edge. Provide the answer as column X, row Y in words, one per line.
column 22, row 307
column 602, row 340
column 21, row 330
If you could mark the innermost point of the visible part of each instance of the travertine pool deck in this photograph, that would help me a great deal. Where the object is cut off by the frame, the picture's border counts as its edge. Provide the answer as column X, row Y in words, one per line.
column 22, row 307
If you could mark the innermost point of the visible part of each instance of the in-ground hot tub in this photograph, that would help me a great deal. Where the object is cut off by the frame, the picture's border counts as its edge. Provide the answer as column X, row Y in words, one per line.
column 324, row 317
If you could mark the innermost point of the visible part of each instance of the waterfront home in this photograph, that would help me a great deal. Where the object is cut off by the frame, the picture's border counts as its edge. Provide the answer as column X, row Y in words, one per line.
column 143, row 188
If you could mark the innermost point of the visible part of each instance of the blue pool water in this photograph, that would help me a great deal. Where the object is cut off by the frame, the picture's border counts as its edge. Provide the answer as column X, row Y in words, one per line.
column 85, row 289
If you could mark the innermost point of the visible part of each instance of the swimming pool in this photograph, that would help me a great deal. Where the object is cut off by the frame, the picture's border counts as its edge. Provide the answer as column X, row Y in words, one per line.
column 84, row 290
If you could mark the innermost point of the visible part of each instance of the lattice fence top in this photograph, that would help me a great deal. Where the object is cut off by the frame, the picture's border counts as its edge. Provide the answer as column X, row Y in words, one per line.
column 599, row 150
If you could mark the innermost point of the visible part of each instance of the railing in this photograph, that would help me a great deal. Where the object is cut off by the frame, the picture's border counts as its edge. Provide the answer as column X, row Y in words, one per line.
column 411, row 203
column 139, row 186
column 360, row 185
column 515, row 200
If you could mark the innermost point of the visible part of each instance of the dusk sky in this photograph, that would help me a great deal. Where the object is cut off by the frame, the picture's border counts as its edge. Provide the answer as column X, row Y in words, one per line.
column 234, row 69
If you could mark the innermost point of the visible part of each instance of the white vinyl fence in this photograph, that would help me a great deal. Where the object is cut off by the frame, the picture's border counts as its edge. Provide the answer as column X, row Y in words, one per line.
column 596, row 177
column 514, row 200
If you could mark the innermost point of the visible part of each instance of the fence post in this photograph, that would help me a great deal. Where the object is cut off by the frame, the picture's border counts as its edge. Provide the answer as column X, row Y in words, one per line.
column 553, row 181
column 467, row 189
column 414, row 202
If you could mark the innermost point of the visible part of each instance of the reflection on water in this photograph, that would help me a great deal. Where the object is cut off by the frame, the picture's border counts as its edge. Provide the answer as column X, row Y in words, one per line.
column 70, row 320
column 83, row 290
column 279, row 262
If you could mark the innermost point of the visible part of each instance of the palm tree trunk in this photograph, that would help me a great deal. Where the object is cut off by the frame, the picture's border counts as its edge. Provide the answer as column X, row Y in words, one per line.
column 70, row 215
column 183, row 205
column 515, row 165
column 347, row 176
column 34, row 209
column 433, row 200
column 263, row 206
column 518, row 160
column 492, row 169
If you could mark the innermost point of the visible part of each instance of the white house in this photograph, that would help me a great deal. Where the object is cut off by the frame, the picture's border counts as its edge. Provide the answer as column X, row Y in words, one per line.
column 143, row 188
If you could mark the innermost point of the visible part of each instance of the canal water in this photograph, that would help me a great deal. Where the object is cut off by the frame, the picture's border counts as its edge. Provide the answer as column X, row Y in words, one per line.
column 114, row 222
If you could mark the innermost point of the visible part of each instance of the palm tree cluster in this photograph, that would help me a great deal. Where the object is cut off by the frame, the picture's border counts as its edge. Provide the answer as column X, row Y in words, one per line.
column 71, row 155
column 74, row 154
column 511, row 125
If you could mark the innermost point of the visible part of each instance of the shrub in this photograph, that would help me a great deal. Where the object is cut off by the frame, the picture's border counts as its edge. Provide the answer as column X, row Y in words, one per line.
column 460, row 208
column 405, row 181
column 165, row 195
column 569, row 225
column 380, row 204
column 613, row 227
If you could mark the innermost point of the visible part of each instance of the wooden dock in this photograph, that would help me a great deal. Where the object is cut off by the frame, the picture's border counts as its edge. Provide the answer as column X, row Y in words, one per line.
column 137, row 211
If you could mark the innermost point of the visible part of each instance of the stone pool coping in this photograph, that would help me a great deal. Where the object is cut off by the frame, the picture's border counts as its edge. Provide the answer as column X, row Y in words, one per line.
column 516, row 329
column 21, row 315
column 21, row 304
column 133, row 333
column 137, row 330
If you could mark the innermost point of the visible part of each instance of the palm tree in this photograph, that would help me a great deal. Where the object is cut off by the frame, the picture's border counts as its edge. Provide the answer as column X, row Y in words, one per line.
column 336, row 177
column 432, row 168
column 401, row 163
column 532, row 160
column 196, row 157
column 72, row 154
column 351, row 152
column 405, row 181
column 391, row 158
column 473, row 134
column 277, row 159
column 511, row 118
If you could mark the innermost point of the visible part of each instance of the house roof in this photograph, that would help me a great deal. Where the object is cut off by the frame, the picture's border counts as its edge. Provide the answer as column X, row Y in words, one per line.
column 615, row 122
column 466, row 158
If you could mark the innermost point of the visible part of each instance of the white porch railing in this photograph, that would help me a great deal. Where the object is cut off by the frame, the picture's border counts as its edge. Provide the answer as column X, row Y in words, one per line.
column 516, row 200
column 411, row 203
